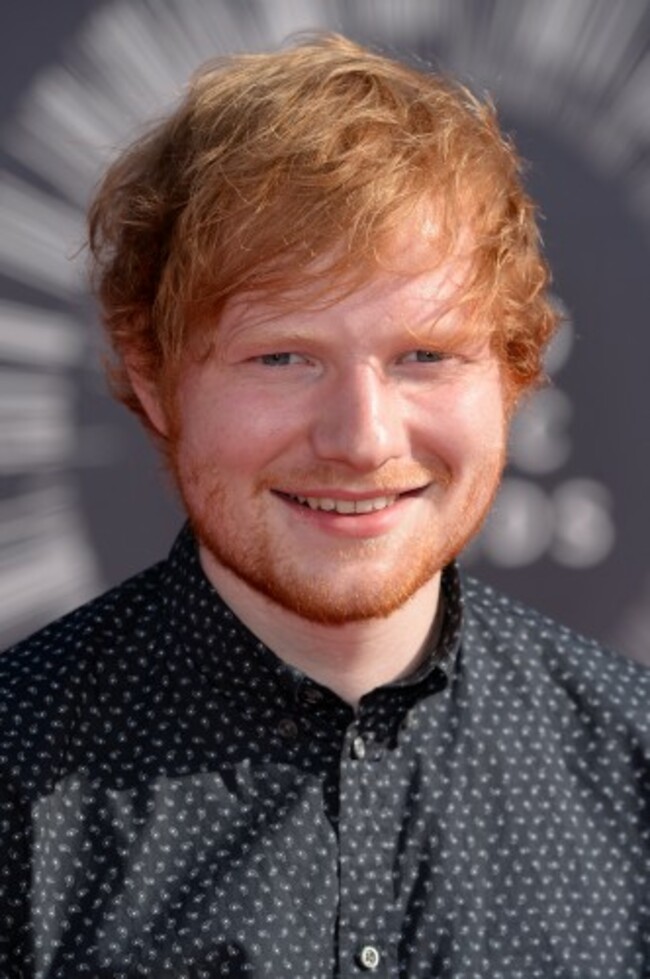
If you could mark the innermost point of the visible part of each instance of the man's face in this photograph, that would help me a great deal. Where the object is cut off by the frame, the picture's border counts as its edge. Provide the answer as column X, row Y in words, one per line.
column 336, row 458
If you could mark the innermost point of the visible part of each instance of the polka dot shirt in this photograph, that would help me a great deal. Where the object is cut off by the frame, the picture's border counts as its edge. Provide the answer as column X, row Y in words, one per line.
column 177, row 802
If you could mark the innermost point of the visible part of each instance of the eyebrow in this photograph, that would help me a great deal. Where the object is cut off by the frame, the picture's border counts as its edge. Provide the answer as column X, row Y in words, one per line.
column 263, row 330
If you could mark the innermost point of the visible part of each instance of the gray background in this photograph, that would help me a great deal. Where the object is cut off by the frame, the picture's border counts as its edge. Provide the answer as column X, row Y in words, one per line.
column 82, row 500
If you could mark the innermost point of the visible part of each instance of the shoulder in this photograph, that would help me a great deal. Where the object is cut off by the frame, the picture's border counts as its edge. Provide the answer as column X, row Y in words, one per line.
column 98, row 626
column 527, row 653
column 46, row 679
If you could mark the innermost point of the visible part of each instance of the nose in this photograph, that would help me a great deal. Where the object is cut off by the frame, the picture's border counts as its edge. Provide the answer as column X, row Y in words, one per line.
column 360, row 421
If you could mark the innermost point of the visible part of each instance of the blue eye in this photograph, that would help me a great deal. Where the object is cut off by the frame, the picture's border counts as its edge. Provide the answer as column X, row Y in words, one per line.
column 424, row 357
column 277, row 360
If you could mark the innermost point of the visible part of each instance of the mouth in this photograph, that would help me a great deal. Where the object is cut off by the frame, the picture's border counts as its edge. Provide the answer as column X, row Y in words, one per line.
column 348, row 507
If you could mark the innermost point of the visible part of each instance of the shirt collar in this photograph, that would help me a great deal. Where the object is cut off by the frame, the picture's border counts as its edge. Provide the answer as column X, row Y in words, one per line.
column 219, row 643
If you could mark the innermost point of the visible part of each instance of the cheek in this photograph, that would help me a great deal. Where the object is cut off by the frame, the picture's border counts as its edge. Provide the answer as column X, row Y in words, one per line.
column 467, row 427
column 235, row 430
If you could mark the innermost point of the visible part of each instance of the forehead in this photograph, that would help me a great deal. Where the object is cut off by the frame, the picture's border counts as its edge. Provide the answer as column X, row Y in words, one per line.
column 413, row 280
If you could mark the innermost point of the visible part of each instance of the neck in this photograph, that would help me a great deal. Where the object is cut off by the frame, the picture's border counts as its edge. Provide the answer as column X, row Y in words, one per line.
column 350, row 659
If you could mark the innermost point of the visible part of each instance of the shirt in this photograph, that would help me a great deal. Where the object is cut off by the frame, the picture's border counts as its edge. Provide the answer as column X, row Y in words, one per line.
column 175, row 801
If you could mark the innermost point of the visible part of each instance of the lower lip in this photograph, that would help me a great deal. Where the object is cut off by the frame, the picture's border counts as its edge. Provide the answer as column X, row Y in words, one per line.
column 354, row 525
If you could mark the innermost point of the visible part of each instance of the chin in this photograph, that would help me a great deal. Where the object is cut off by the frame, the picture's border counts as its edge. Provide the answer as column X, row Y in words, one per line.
column 325, row 599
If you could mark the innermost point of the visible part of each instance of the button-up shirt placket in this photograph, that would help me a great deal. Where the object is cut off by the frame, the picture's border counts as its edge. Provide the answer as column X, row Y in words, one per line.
column 365, row 944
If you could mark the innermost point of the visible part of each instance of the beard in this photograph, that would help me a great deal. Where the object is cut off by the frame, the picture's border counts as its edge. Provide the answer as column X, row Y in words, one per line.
column 340, row 581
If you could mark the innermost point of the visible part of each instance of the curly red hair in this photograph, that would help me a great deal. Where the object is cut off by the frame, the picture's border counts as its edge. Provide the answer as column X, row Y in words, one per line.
column 297, row 167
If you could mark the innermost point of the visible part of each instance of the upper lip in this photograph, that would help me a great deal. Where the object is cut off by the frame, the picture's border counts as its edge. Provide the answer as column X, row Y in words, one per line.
column 343, row 494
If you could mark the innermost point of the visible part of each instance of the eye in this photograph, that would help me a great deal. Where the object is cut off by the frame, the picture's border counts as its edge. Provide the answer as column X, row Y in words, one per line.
column 423, row 357
column 279, row 359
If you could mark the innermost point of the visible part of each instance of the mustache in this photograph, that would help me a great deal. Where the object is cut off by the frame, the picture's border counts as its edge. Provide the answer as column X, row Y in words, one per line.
column 387, row 481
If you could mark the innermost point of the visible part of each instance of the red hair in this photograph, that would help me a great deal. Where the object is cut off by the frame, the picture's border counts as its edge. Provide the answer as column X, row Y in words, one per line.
column 317, row 151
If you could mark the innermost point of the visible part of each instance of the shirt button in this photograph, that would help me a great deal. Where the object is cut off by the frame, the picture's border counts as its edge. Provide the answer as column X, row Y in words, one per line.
column 369, row 958
column 311, row 695
column 358, row 748
column 288, row 729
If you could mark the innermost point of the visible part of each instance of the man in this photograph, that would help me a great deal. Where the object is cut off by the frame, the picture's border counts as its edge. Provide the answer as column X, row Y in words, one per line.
column 303, row 746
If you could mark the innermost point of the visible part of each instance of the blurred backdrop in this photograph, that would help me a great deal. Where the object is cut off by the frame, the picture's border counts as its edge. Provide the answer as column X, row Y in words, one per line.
column 83, row 502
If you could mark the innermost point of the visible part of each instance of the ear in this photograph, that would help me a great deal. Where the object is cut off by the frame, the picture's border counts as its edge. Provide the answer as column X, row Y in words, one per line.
column 149, row 396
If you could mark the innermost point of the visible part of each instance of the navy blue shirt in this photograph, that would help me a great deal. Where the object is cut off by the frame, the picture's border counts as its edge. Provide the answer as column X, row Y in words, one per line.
column 175, row 801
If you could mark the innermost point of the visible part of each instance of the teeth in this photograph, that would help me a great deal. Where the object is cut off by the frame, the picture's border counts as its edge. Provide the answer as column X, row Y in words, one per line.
column 346, row 506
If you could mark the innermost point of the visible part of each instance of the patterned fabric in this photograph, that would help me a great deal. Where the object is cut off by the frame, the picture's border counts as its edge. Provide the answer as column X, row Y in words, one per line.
column 177, row 802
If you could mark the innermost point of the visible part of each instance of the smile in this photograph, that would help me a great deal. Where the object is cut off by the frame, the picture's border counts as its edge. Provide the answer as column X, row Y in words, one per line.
column 345, row 506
